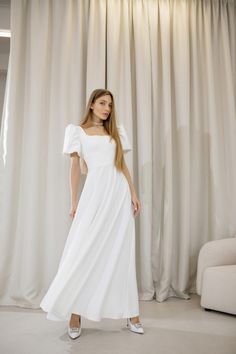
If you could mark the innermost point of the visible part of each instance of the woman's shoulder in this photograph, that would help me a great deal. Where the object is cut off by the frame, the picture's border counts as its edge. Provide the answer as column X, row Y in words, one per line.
column 121, row 129
column 73, row 132
column 72, row 126
column 124, row 137
column 73, row 129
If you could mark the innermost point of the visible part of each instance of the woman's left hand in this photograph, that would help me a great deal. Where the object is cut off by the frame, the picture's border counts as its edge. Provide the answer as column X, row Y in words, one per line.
column 136, row 204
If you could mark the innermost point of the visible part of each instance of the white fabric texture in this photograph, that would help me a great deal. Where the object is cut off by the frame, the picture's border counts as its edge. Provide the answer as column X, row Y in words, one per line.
column 172, row 67
column 97, row 276
column 72, row 141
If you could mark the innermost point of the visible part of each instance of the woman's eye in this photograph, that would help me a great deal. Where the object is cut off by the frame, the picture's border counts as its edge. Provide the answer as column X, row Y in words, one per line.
column 110, row 106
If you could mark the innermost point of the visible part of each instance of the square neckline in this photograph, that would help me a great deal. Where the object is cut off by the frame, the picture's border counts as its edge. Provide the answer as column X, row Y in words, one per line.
column 92, row 134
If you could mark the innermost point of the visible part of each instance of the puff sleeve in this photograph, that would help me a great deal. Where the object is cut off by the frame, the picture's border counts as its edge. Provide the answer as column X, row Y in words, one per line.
column 124, row 138
column 72, row 142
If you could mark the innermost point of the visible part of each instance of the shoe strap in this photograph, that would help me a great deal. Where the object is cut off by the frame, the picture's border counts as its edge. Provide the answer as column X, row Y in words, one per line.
column 139, row 324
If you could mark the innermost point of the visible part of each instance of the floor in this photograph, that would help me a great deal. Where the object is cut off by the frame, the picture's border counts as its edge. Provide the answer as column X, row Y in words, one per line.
column 174, row 326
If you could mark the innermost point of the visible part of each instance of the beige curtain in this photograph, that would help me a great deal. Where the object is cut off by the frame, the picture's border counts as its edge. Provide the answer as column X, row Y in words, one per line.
column 171, row 67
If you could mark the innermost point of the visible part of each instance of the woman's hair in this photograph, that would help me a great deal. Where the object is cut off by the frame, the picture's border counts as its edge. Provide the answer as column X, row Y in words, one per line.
column 109, row 124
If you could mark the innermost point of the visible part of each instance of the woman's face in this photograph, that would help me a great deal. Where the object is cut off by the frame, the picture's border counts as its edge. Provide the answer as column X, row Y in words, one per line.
column 102, row 107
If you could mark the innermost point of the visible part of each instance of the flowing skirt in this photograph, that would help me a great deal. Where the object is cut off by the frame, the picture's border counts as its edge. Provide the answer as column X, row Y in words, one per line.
column 96, row 277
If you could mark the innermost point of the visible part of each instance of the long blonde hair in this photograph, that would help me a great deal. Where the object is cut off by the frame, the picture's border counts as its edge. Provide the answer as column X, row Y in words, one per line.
column 109, row 124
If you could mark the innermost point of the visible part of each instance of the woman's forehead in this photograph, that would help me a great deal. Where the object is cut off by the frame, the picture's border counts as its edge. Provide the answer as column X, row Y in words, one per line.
column 106, row 98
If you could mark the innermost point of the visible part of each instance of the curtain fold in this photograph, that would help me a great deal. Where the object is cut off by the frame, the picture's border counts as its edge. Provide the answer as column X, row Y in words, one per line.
column 171, row 67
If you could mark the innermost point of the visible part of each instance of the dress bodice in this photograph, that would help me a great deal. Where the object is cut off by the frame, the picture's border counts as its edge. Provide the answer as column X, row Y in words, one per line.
column 95, row 150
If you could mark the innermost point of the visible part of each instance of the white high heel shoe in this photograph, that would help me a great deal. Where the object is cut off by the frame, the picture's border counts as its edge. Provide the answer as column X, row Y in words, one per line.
column 135, row 327
column 74, row 332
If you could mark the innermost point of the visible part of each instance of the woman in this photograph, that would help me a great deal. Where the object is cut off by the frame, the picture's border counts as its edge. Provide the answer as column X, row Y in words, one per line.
column 96, row 277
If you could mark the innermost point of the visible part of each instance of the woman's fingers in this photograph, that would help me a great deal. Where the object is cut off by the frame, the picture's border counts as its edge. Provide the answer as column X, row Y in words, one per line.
column 136, row 206
column 72, row 213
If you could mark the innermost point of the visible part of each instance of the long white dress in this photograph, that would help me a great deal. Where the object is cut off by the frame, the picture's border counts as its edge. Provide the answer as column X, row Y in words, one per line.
column 96, row 277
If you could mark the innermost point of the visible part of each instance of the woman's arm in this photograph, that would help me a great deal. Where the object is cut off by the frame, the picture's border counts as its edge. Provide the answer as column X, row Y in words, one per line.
column 134, row 198
column 74, row 182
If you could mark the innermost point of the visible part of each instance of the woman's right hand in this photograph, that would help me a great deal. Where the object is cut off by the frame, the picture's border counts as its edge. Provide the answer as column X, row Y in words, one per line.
column 72, row 211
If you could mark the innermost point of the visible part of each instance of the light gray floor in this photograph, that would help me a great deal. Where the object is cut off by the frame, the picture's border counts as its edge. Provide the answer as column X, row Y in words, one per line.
column 174, row 326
